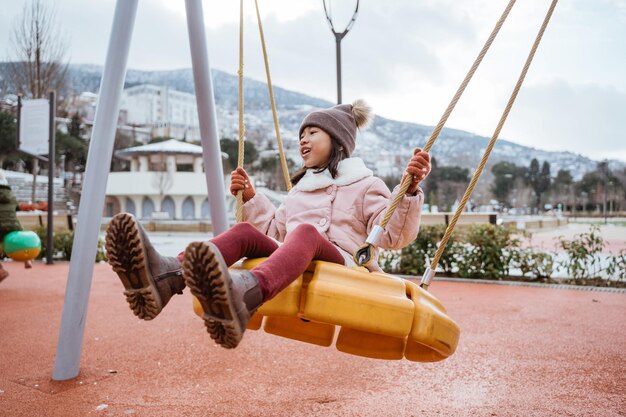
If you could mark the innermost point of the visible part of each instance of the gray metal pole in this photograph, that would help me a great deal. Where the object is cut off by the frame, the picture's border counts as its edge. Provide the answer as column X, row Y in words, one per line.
column 211, row 152
column 35, row 173
column 70, row 343
column 606, row 177
column 338, row 38
column 51, row 155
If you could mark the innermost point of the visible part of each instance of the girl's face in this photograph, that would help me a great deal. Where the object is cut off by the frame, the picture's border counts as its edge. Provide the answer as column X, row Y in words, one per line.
column 315, row 147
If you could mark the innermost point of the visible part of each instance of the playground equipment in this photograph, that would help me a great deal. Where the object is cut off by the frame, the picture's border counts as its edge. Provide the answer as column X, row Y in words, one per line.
column 92, row 200
column 70, row 341
column 22, row 246
column 379, row 316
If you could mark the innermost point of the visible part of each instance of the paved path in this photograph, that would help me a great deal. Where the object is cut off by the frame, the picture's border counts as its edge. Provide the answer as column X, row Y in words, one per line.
column 523, row 352
column 613, row 235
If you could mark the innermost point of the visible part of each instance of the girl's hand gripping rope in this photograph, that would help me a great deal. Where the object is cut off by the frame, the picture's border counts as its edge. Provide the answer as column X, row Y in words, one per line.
column 240, row 181
column 419, row 168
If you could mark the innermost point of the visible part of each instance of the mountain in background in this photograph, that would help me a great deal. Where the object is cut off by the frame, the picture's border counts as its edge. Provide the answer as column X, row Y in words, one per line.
column 384, row 137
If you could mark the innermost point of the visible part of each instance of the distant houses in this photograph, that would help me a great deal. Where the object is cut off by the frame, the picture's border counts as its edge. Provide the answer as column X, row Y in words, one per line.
column 167, row 112
column 146, row 111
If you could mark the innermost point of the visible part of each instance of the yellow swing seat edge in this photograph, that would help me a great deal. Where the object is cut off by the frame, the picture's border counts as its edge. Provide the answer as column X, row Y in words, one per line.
column 378, row 315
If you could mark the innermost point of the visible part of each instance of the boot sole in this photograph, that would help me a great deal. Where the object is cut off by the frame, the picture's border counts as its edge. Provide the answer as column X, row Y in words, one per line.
column 207, row 277
column 126, row 255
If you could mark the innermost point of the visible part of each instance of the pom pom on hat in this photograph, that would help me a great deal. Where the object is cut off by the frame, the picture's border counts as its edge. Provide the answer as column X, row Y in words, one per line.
column 362, row 113
column 341, row 122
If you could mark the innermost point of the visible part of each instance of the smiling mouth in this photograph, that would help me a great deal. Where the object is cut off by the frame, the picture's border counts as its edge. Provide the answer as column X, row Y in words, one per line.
column 305, row 151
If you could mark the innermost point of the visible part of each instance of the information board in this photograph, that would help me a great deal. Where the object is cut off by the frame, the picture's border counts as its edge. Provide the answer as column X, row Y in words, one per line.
column 34, row 126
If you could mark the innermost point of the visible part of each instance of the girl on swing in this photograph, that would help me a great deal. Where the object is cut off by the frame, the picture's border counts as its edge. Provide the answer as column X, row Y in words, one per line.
column 333, row 205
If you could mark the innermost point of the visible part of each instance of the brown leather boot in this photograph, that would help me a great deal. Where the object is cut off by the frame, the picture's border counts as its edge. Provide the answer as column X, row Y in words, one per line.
column 149, row 278
column 228, row 298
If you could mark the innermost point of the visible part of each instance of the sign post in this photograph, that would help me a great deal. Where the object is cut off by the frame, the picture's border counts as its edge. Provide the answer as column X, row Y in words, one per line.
column 51, row 155
column 36, row 137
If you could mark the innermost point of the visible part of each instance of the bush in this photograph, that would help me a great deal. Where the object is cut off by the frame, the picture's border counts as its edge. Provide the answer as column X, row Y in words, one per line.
column 617, row 266
column 481, row 251
column 414, row 258
column 489, row 252
column 583, row 254
column 63, row 242
column 538, row 265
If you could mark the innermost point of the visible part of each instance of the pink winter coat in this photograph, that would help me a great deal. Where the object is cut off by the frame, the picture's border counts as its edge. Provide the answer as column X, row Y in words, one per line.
column 343, row 209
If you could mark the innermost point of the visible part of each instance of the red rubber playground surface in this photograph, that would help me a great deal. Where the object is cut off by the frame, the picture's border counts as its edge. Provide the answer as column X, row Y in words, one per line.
column 524, row 351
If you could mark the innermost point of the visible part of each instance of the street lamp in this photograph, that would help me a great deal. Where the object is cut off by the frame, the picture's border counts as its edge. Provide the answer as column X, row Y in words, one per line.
column 606, row 172
column 338, row 37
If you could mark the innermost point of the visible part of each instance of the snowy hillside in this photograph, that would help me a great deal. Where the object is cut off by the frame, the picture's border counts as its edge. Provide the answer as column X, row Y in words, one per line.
column 385, row 146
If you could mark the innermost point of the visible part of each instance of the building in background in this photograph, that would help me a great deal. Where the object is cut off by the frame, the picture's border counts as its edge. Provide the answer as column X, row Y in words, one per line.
column 146, row 111
column 166, row 112
column 166, row 181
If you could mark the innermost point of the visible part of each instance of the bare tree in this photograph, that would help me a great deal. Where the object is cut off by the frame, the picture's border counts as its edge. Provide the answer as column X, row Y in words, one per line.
column 162, row 176
column 38, row 51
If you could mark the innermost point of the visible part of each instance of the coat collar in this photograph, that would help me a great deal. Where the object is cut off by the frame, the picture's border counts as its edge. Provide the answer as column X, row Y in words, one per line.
column 349, row 170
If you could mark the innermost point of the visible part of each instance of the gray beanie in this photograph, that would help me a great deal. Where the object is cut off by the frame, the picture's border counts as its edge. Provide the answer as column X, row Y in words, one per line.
column 340, row 122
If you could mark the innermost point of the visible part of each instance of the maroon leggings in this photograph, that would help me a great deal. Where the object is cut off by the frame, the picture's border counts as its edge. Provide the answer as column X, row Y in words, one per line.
column 285, row 263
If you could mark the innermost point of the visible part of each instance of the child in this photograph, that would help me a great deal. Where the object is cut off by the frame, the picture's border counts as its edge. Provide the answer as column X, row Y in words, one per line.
column 334, row 204
column 8, row 219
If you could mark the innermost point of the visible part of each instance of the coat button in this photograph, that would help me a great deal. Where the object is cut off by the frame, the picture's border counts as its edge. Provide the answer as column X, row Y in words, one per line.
column 322, row 222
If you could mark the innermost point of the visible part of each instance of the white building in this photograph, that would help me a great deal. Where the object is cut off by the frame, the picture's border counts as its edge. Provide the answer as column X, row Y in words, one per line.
column 166, row 180
column 167, row 112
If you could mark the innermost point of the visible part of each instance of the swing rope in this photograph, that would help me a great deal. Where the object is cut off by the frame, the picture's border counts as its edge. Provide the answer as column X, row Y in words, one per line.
column 242, row 128
column 283, row 159
column 364, row 255
column 430, row 272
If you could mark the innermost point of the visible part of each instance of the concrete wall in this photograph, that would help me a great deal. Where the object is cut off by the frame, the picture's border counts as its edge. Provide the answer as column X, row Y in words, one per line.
column 157, row 186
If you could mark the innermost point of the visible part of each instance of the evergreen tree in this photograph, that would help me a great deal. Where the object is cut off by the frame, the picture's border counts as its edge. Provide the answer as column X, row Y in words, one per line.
column 454, row 174
column 231, row 148
column 122, row 141
column 539, row 180
column 562, row 187
column 76, row 129
column 505, row 174
column 544, row 181
column 533, row 173
column 431, row 184
column 74, row 149
column 8, row 139
column 271, row 172
column 563, row 179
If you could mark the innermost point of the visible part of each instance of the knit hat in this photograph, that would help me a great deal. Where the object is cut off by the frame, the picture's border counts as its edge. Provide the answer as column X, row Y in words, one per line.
column 340, row 122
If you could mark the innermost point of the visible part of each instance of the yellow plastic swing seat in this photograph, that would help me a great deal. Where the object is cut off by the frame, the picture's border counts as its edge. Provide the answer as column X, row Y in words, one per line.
column 378, row 315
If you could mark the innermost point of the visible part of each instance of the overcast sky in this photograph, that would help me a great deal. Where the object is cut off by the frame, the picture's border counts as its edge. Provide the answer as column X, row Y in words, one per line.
column 405, row 57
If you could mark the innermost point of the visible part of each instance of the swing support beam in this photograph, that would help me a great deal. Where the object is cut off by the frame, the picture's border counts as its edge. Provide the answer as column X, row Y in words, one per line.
column 71, row 333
